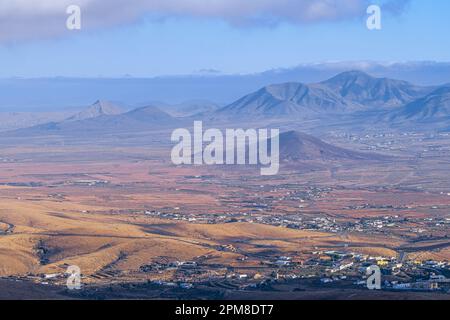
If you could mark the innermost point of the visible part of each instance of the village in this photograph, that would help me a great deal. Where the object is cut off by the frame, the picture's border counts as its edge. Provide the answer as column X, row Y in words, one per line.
column 327, row 269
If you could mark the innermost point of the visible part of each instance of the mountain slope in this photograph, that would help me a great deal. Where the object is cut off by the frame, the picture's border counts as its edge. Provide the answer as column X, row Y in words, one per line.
column 147, row 115
column 346, row 93
column 366, row 90
column 141, row 119
column 286, row 101
column 17, row 120
column 431, row 108
column 296, row 146
column 191, row 108
column 99, row 108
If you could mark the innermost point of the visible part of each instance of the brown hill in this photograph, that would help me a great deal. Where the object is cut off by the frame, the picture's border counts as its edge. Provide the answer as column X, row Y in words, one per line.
column 297, row 146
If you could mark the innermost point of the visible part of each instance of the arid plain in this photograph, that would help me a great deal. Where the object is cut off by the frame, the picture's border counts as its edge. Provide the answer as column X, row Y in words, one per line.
column 125, row 214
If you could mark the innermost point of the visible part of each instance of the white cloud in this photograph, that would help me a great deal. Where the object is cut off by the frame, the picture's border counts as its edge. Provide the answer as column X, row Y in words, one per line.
column 24, row 19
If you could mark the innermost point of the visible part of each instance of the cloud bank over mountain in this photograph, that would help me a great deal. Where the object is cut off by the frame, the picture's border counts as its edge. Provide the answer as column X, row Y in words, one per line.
column 23, row 19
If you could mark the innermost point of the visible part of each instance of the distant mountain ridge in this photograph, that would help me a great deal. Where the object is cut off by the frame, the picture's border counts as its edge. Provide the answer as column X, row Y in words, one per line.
column 141, row 119
column 359, row 87
column 149, row 114
column 348, row 100
column 191, row 108
column 433, row 107
column 286, row 100
column 99, row 108
column 16, row 120
column 345, row 93
column 58, row 93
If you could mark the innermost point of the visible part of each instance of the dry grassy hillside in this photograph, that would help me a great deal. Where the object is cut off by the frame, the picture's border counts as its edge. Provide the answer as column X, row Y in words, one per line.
column 46, row 236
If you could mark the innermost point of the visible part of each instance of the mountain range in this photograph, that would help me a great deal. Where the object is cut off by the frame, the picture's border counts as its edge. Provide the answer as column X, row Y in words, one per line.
column 352, row 94
column 101, row 121
column 361, row 88
column 355, row 95
column 287, row 100
column 58, row 93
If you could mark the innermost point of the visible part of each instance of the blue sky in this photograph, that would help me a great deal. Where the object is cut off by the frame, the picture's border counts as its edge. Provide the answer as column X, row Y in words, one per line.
column 185, row 43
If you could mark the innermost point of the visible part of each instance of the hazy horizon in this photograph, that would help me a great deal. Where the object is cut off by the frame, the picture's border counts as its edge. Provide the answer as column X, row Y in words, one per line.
column 62, row 93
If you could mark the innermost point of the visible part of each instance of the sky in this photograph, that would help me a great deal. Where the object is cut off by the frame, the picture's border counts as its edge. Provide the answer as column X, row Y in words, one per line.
column 146, row 38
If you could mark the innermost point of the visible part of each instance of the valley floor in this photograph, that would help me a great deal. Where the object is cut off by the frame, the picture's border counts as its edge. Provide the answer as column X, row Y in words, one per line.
column 125, row 216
